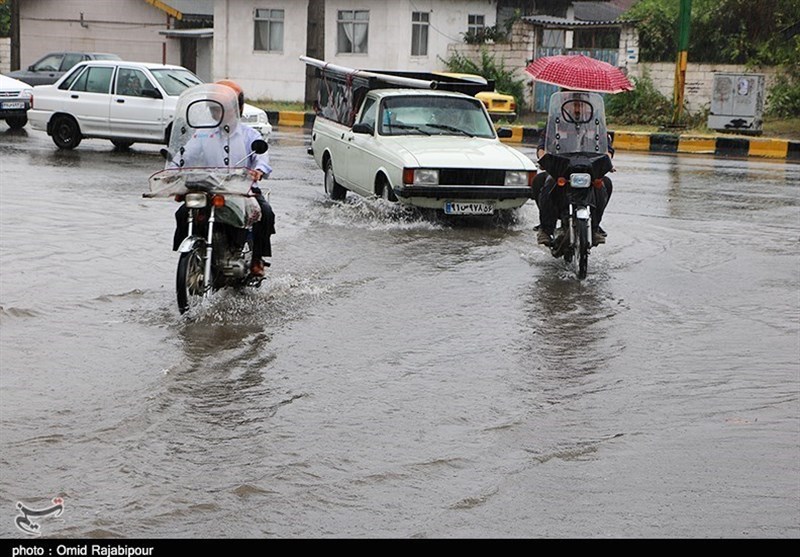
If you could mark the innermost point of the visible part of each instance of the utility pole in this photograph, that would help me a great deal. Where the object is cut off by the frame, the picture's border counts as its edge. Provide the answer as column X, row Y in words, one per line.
column 315, row 46
column 680, row 65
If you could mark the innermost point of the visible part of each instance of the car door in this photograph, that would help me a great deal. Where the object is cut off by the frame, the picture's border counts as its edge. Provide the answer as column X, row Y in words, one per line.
column 137, row 106
column 90, row 98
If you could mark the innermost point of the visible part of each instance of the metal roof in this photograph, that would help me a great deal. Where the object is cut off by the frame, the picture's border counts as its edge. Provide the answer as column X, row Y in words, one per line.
column 586, row 14
column 190, row 33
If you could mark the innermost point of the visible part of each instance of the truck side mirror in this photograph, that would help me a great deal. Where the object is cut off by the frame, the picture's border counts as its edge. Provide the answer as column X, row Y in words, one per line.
column 363, row 128
column 504, row 132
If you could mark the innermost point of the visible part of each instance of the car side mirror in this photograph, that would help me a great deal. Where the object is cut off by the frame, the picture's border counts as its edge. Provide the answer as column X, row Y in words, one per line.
column 259, row 146
column 31, row 68
column 504, row 132
column 152, row 93
column 362, row 127
column 166, row 154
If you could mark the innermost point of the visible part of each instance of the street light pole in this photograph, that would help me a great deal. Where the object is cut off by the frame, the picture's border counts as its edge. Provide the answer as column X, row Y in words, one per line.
column 680, row 65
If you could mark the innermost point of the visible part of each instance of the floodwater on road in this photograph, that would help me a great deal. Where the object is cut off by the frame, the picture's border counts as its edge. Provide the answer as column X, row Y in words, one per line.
column 401, row 375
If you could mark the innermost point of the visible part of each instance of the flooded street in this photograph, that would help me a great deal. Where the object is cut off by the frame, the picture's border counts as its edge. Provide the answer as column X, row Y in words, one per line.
column 400, row 375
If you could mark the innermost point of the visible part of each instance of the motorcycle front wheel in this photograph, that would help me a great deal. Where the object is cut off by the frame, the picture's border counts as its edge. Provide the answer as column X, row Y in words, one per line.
column 584, row 243
column 189, row 279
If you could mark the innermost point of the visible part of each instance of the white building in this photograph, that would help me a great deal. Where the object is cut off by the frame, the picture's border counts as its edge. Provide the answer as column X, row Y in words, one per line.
column 258, row 43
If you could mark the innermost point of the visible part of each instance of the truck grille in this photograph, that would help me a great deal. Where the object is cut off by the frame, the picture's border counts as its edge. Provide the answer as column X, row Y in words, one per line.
column 471, row 177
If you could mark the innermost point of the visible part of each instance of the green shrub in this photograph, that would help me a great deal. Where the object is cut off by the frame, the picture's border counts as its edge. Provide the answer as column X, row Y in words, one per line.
column 644, row 105
column 504, row 80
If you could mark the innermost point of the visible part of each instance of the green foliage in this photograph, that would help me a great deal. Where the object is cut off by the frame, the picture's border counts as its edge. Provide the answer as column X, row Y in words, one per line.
column 721, row 31
column 504, row 80
column 644, row 105
column 5, row 18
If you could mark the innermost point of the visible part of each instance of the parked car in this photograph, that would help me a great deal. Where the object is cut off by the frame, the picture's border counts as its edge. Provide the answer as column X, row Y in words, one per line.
column 15, row 100
column 126, row 102
column 425, row 148
column 50, row 68
column 499, row 105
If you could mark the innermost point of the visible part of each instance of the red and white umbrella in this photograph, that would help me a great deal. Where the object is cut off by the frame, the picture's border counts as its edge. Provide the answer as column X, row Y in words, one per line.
column 579, row 72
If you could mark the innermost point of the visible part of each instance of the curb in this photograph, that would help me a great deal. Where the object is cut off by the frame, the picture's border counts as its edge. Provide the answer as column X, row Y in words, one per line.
column 629, row 141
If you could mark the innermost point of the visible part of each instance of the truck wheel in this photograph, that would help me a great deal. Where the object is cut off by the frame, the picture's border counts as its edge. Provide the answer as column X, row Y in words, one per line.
column 387, row 193
column 334, row 190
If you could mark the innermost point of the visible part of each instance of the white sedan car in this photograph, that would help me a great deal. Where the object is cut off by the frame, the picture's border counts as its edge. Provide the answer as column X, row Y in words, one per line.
column 126, row 102
column 15, row 100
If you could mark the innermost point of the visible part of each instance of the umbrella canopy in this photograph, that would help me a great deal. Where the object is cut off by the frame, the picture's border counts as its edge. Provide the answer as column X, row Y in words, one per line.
column 579, row 72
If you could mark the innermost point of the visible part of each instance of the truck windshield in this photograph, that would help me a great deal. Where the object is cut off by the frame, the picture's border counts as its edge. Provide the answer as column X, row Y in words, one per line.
column 434, row 115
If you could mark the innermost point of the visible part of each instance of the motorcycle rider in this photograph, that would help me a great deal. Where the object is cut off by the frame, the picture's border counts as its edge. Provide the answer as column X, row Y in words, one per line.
column 550, row 198
column 241, row 138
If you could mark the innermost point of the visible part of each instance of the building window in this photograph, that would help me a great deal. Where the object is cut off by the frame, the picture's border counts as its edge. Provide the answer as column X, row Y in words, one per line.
column 353, row 31
column 269, row 30
column 475, row 24
column 419, row 33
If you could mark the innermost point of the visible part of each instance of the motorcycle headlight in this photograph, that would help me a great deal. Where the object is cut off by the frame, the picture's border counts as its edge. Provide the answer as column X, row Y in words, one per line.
column 516, row 178
column 195, row 200
column 580, row 180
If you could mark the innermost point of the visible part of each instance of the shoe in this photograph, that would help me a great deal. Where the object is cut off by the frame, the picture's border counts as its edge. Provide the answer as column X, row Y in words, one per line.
column 257, row 269
column 598, row 237
column 544, row 237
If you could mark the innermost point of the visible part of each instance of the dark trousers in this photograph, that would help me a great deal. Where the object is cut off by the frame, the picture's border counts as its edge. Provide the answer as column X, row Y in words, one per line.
column 262, row 230
column 552, row 200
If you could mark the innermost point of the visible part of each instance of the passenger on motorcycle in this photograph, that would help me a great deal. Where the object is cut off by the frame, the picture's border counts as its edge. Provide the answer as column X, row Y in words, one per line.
column 551, row 200
column 205, row 149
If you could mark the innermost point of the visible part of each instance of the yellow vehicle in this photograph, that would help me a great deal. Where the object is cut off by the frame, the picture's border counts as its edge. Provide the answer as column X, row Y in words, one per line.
column 500, row 106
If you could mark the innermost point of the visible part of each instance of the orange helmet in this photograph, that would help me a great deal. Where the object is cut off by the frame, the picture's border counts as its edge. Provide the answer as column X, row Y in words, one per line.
column 236, row 88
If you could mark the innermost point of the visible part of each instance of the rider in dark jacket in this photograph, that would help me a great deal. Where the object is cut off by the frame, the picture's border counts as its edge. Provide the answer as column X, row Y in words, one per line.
column 550, row 201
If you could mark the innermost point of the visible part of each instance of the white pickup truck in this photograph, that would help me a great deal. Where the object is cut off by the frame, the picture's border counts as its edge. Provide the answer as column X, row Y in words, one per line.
column 422, row 147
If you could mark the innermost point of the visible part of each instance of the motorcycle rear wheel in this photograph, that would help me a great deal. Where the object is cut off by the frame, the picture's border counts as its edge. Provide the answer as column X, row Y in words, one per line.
column 189, row 285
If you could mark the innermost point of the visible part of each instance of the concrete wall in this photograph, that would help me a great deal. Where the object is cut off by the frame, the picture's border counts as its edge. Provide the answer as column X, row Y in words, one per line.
column 513, row 55
column 699, row 79
column 128, row 28
column 5, row 55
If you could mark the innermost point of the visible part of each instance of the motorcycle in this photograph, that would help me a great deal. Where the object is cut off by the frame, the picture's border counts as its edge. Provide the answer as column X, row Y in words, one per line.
column 576, row 159
column 219, row 200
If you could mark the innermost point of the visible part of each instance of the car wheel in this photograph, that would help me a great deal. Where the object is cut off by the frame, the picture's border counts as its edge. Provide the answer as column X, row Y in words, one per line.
column 121, row 145
column 334, row 189
column 66, row 133
column 17, row 122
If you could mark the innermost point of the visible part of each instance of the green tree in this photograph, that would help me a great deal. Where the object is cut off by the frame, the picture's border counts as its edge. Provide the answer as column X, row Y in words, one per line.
column 5, row 18
column 722, row 31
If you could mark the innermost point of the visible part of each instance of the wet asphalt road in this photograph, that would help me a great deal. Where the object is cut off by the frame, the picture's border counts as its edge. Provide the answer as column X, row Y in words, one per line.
column 400, row 375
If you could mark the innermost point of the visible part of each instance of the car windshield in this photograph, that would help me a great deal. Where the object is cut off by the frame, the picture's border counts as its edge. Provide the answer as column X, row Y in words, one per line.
column 175, row 81
column 434, row 115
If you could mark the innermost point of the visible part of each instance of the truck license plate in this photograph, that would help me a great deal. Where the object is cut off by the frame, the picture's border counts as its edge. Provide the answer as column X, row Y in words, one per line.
column 454, row 208
column 12, row 105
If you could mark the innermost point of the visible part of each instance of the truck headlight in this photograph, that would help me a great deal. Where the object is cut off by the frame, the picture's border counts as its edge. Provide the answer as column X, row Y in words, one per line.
column 421, row 176
column 516, row 178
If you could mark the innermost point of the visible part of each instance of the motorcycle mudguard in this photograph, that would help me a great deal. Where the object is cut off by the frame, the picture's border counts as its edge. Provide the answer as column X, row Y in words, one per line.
column 190, row 242
column 582, row 213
